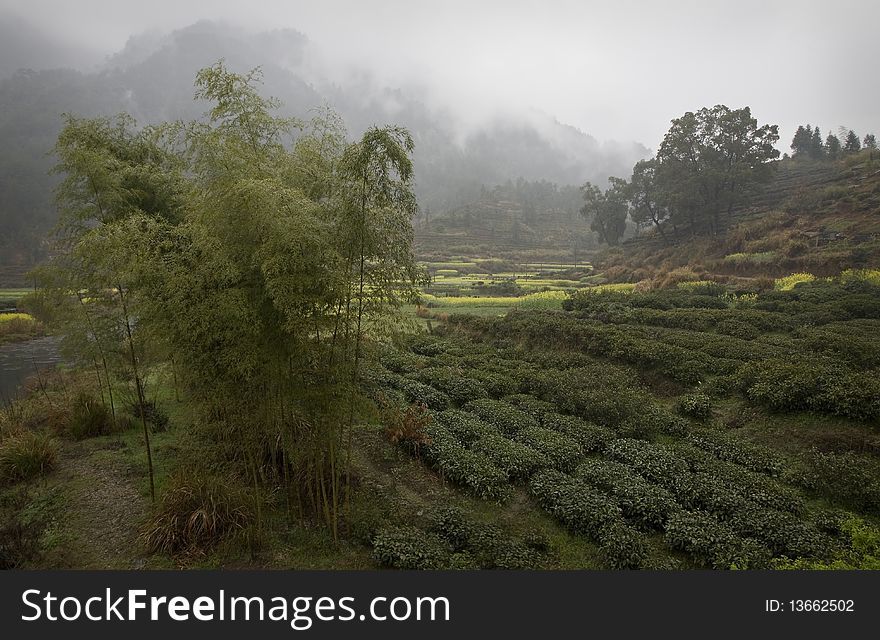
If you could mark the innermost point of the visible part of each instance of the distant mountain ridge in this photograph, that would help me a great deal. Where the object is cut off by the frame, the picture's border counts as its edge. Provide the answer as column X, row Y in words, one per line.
column 152, row 78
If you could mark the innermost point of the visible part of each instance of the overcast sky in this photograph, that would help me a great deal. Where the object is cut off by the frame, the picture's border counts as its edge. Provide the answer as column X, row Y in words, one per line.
column 615, row 69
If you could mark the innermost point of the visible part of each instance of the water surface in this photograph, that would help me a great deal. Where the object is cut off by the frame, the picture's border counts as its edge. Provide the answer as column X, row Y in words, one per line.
column 20, row 360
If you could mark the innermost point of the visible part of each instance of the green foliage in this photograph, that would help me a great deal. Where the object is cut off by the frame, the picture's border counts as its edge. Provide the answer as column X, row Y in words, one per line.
column 695, row 405
column 574, row 504
column 861, row 551
column 726, row 447
column 89, row 418
column 486, row 545
column 562, row 452
column 464, row 426
column 506, row 418
column 585, row 510
column 711, row 543
column 845, row 478
column 783, row 385
column 409, row 547
column 606, row 210
column 470, row 469
column 453, row 383
column 643, row 502
column 589, row 437
column 26, row 455
column 708, row 159
column 517, row 460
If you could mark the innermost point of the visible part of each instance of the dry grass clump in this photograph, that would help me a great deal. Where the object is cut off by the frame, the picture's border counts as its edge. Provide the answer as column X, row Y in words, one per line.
column 194, row 513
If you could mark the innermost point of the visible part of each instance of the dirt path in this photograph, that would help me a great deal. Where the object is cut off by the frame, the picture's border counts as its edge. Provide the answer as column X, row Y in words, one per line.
column 102, row 508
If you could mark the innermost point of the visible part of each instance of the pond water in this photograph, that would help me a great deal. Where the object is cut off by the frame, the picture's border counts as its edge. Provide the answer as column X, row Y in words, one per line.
column 19, row 360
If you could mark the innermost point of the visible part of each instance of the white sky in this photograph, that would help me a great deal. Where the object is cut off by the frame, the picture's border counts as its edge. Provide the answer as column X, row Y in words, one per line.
column 617, row 69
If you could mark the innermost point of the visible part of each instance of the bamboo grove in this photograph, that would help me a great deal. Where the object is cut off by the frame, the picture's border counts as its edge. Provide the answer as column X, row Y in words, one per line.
column 255, row 257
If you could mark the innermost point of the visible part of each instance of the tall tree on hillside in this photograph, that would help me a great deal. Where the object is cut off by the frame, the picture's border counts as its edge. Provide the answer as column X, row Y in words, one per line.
column 709, row 159
column 832, row 146
column 800, row 144
column 851, row 144
column 646, row 197
column 817, row 149
column 607, row 211
column 870, row 142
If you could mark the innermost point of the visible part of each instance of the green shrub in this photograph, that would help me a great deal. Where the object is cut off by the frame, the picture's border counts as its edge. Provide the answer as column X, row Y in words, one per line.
column 861, row 550
column 711, row 543
column 695, row 405
column 89, row 418
column 589, row 436
column 470, row 469
column 575, row 504
column 845, row 478
column 641, row 501
column 812, row 385
column 561, row 451
column 25, row 455
column 515, row 459
column 530, row 405
column 410, row 548
column 781, row 532
column 485, row 546
column 506, row 418
column 464, row 426
column 623, row 547
column 656, row 463
column 727, row 447
column 453, row 383
column 415, row 391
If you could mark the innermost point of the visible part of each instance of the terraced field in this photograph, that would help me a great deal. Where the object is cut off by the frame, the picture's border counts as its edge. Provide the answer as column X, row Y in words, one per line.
column 687, row 428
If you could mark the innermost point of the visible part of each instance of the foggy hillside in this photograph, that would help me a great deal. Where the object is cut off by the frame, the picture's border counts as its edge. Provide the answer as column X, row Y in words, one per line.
column 152, row 79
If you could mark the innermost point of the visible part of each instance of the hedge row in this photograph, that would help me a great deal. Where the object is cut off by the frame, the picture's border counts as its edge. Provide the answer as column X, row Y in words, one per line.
column 712, row 543
column 469, row 469
column 508, row 419
column 589, row 436
column 561, row 451
column 647, row 504
column 590, row 512
column 515, row 459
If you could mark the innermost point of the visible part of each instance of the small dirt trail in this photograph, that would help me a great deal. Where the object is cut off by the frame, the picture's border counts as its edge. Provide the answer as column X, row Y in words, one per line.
column 103, row 509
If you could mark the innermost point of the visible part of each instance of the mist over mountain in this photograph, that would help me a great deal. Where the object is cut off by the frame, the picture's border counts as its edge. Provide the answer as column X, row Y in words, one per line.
column 151, row 78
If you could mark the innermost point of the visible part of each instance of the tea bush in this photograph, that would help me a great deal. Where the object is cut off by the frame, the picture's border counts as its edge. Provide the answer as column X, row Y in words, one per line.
column 812, row 385
column 845, row 478
column 561, row 451
column 472, row 470
column 530, row 405
column 728, row 448
column 623, row 547
column 506, row 418
column 409, row 547
column 515, row 459
column 589, row 436
column 464, row 426
column 453, row 383
column 656, row 463
column 695, row 405
column 573, row 503
column 415, row 391
column 647, row 504
column 711, row 543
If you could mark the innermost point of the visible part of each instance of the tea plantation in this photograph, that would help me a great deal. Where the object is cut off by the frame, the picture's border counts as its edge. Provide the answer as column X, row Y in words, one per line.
column 685, row 428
